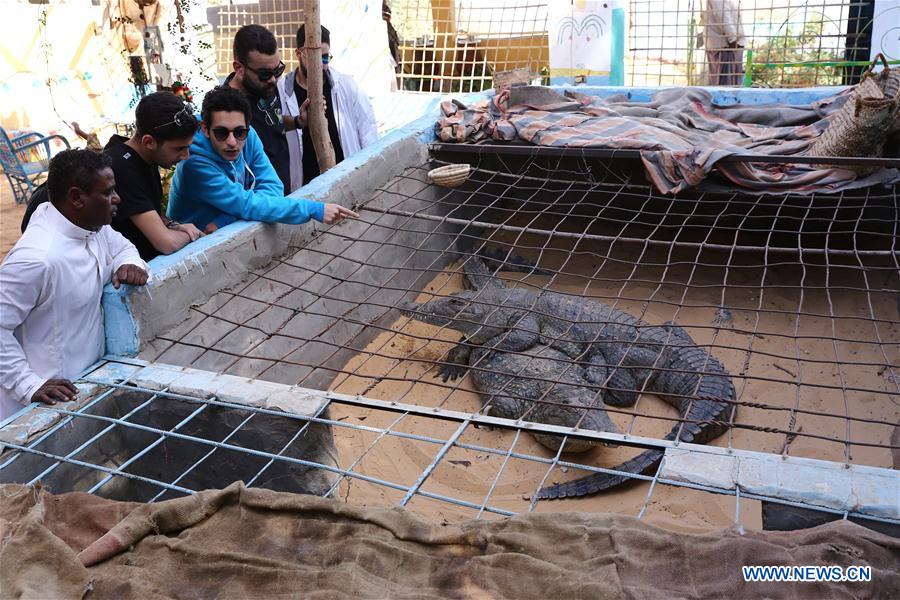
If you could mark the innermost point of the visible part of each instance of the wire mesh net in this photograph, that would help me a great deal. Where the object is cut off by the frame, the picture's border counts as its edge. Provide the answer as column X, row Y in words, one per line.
column 769, row 43
column 457, row 46
column 281, row 17
column 132, row 443
column 144, row 445
column 796, row 296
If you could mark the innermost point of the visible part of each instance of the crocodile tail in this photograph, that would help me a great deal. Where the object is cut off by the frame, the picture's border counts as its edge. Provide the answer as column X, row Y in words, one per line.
column 481, row 270
column 645, row 462
column 479, row 275
column 704, row 401
column 704, row 419
column 585, row 486
column 500, row 260
column 483, row 263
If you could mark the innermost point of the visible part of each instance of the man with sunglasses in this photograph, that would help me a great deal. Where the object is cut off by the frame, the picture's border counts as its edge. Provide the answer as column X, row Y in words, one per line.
column 351, row 121
column 164, row 131
column 228, row 176
column 257, row 67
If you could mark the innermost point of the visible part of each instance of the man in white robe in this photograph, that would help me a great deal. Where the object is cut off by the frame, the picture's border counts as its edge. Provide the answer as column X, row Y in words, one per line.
column 51, row 283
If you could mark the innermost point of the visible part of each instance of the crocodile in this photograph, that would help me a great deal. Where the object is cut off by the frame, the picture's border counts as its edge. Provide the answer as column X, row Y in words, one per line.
column 622, row 354
column 541, row 385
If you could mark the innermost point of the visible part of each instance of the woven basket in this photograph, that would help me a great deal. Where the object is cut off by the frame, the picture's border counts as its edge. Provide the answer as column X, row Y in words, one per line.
column 862, row 125
column 450, row 175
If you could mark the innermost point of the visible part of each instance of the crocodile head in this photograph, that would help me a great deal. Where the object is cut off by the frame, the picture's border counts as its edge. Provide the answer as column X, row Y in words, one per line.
column 592, row 418
column 477, row 315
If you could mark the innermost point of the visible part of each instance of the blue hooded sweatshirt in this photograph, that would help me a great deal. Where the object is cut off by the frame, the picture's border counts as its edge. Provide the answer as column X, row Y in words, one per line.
column 209, row 189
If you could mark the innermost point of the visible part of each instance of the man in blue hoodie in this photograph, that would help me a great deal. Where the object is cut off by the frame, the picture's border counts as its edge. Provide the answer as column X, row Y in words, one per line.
column 229, row 177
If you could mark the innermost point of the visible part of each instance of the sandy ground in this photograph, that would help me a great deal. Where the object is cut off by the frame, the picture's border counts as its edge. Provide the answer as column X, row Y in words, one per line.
column 10, row 218
column 763, row 347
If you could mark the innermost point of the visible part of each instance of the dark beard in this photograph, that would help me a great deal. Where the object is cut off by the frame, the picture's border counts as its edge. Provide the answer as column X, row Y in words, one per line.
column 257, row 90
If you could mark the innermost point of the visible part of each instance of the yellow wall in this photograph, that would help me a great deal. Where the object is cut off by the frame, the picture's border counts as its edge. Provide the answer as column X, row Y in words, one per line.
column 504, row 54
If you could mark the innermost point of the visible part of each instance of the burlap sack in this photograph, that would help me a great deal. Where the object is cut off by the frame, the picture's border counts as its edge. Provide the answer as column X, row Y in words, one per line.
column 861, row 127
column 254, row 543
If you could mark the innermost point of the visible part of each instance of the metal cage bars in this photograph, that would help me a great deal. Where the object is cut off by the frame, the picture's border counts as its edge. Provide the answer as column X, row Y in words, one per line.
column 303, row 422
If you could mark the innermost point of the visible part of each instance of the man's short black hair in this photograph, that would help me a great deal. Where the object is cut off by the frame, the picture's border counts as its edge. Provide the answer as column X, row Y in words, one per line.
column 74, row 168
column 253, row 37
column 301, row 36
column 224, row 99
column 164, row 116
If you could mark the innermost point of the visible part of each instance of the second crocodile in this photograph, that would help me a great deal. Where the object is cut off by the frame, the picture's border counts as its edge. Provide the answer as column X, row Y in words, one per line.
column 623, row 354
column 541, row 385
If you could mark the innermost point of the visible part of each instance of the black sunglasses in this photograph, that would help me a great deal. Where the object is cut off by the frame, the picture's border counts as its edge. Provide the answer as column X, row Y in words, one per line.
column 222, row 133
column 267, row 74
column 181, row 118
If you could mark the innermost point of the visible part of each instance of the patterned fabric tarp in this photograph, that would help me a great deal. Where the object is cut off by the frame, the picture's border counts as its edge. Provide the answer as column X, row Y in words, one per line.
column 681, row 135
column 256, row 543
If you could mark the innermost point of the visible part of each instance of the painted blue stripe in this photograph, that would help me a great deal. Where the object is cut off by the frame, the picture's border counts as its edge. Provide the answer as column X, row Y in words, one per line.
column 617, row 48
column 721, row 95
column 590, row 81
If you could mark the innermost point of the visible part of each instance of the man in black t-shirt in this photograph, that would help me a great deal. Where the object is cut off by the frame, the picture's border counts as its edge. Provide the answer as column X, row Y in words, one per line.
column 164, row 130
column 257, row 67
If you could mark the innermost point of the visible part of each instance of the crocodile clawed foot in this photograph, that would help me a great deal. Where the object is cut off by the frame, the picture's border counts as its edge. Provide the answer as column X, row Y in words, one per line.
column 450, row 372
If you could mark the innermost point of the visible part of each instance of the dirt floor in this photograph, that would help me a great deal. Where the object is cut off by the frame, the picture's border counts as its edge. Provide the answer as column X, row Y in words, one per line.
column 10, row 218
column 762, row 345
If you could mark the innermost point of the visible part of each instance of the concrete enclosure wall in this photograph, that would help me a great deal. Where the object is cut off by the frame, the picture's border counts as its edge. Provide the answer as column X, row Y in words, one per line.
column 191, row 276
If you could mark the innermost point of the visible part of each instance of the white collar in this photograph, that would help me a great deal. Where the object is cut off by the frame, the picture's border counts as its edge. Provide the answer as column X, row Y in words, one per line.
column 67, row 227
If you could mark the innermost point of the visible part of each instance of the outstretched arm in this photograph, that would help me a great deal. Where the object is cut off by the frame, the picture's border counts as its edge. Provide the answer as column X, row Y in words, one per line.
column 166, row 238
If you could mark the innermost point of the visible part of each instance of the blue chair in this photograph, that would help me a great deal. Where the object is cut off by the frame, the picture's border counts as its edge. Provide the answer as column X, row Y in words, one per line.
column 24, row 159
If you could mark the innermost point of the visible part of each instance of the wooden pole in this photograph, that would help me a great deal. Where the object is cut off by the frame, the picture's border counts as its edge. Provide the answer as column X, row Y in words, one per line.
column 318, row 124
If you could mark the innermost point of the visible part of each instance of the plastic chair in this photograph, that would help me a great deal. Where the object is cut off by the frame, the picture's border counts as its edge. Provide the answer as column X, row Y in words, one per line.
column 24, row 159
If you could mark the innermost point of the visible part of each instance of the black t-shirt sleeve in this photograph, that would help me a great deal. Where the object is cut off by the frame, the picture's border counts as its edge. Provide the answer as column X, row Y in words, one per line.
column 140, row 191
column 135, row 198
column 38, row 197
column 137, row 183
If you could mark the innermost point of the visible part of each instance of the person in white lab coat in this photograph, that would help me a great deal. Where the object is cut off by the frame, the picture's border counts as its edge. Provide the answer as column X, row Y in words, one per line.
column 351, row 120
column 51, row 283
